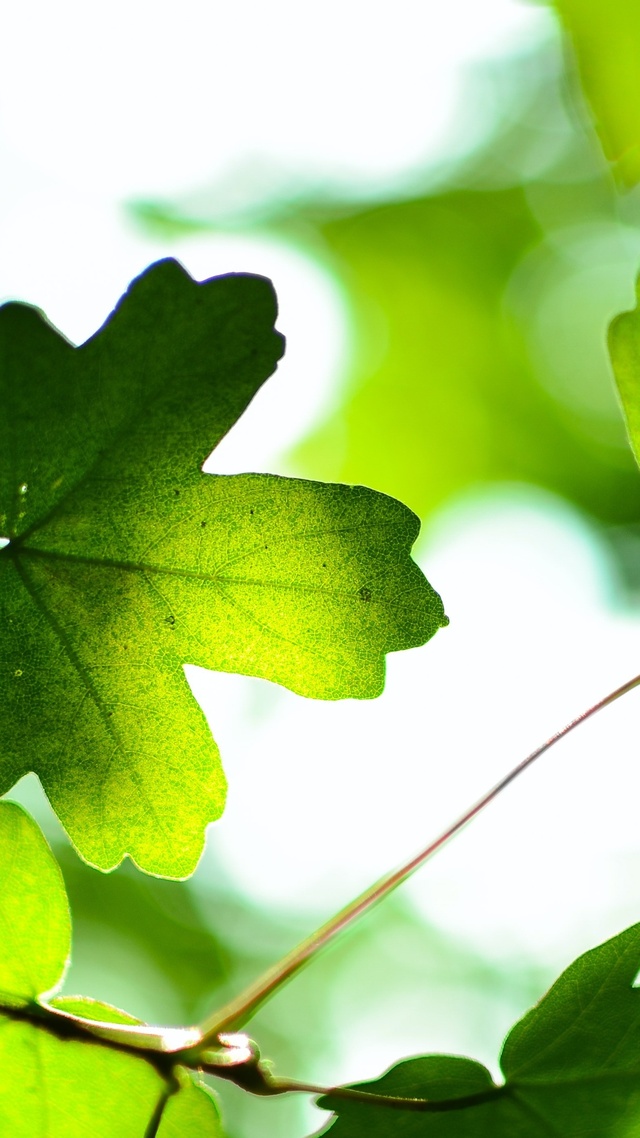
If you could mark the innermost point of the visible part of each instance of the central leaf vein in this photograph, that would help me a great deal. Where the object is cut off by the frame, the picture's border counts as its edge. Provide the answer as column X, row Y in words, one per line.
column 219, row 578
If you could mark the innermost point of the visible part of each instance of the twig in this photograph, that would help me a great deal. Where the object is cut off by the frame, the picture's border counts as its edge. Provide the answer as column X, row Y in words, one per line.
column 238, row 1011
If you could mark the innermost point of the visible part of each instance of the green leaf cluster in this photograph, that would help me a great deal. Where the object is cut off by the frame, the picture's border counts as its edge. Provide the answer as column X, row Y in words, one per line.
column 54, row 1081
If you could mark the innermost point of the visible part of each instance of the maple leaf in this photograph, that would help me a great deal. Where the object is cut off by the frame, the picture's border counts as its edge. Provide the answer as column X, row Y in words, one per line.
column 124, row 561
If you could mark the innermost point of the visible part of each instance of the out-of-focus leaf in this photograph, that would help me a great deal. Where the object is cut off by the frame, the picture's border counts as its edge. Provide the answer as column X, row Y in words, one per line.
column 124, row 562
column 191, row 1113
column 159, row 918
column 571, row 1066
column 624, row 344
column 443, row 392
column 606, row 41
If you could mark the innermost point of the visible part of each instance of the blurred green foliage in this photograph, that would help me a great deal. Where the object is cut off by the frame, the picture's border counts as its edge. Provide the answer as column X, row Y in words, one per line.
column 606, row 42
column 479, row 315
column 478, row 308
column 157, row 918
column 453, row 397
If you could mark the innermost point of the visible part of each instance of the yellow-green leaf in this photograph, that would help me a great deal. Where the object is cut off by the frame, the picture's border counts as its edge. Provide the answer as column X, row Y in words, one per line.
column 52, row 1086
column 35, row 928
column 124, row 562
column 191, row 1113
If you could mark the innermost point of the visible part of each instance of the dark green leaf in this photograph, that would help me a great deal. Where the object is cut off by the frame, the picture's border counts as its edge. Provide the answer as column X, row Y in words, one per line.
column 571, row 1066
column 125, row 562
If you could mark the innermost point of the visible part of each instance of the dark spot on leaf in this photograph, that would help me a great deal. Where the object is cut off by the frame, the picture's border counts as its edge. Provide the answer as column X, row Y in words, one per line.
column 203, row 524
column 324, row 565
column 365, row 593
column 170, row 619
column 177, row 493
column 250, row 511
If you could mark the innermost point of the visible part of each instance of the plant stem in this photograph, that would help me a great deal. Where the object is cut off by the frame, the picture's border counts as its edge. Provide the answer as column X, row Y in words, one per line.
column 395, row 1102
column 238, row 1011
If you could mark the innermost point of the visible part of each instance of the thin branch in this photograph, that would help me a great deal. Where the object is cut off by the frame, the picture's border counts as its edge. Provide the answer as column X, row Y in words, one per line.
column 239, row 1010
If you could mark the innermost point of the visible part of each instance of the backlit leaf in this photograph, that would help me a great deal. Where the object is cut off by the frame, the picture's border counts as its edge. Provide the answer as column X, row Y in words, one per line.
column 50, row 1085
column 61, row 1088
column 191, row 1113
column 125, row 562
column 54, row 1083
column 35, row 928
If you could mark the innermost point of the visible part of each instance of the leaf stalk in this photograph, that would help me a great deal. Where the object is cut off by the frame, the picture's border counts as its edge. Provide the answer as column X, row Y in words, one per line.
column 216, row 1047
column 235, row 1014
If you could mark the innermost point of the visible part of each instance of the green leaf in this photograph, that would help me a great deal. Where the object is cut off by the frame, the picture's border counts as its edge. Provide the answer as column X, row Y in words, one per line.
column 35, row 928
column 91, row 1009
column 125, row 562
column 606, row 41
column 624, row 346
column 54, row 1083
column 50, row 1085
column 571, row 1066
column 191, row 1113
column 65, row 1088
